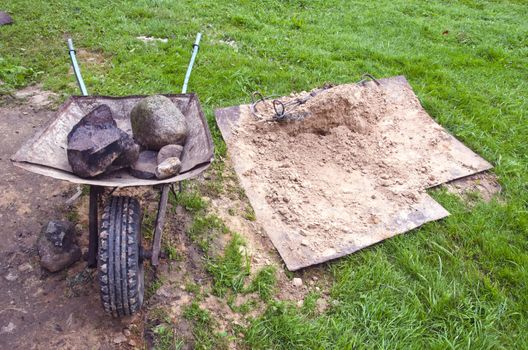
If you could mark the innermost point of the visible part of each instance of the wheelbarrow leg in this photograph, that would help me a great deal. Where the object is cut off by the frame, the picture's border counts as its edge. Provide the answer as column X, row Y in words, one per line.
column 93, row 227
column 162, row 208
column 160, row 221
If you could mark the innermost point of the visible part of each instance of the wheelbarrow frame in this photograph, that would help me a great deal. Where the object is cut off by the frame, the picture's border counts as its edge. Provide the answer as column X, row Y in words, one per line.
column 96, row 192
column 119, row 231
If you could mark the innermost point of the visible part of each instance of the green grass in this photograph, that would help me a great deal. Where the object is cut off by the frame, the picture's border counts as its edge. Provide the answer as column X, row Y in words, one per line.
column 205, row 228
column 160, row 326
column 188, row 199
column 229, row 271
column 264, row 283
column 153, row 286
column 204, row 328
column 249, row 213
column 165, row 339
column 458, row 283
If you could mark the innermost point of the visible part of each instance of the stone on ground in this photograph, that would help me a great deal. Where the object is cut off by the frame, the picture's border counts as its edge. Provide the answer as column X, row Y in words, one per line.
column 57, row 246
column 119, row 338
column 96, row 145
column 156, row 122
column 297, row 282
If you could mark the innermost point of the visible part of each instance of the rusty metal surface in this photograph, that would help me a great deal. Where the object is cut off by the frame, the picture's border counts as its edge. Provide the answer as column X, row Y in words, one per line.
column 451, row 161
column 45, row 153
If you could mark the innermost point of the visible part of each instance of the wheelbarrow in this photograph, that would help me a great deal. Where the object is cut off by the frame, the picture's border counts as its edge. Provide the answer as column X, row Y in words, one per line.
column 115, row 239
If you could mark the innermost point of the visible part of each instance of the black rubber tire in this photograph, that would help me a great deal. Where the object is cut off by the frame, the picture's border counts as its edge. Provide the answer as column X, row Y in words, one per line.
column 121, row 273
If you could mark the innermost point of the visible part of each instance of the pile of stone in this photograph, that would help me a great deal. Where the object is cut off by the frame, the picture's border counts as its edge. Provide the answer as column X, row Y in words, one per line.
column 97, row 146
column 160, row 127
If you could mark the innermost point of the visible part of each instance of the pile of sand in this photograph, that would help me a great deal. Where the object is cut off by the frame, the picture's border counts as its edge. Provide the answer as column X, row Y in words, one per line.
column 350, row 172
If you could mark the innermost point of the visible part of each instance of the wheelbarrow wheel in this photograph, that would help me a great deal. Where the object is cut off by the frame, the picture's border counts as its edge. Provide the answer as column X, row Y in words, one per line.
column 121, row 274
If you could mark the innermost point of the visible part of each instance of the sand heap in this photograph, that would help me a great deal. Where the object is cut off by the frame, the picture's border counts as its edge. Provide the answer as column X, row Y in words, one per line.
column 352, row 172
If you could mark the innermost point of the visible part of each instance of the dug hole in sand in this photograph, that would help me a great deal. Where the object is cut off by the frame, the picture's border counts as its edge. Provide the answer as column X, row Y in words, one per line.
column 348, row 170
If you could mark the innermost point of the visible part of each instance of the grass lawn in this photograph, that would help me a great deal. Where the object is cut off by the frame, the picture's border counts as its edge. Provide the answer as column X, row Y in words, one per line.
column 458, row 283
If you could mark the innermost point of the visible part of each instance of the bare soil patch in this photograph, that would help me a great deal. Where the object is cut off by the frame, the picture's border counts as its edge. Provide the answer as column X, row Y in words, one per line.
column 484, row 186
column 40, row 310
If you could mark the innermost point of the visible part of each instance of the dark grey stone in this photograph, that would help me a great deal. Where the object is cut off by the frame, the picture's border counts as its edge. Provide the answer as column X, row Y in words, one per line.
column 157, row 122
column 145, row 166
column 129, row 155
column 5, row 18
column 96, row 145
column 169, row 151
column 169, row 167
column 57, row 246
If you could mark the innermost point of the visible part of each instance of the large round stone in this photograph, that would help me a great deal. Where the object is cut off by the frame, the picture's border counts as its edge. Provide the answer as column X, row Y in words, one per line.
column 157, row 122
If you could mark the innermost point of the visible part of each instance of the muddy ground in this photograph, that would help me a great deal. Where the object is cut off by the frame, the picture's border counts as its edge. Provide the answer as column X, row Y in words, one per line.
column 40, row 310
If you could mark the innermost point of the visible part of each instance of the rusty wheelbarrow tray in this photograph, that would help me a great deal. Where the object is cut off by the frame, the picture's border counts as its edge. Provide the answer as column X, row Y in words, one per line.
column 115, row 244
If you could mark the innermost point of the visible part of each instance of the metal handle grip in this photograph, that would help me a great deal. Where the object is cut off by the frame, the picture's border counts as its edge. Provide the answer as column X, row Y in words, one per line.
column 76, row 68
column 196, row 46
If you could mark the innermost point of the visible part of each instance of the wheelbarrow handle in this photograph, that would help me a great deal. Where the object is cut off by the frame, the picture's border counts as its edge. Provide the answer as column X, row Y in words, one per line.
column 196, row 46
column 76, row 68
column 162, row 207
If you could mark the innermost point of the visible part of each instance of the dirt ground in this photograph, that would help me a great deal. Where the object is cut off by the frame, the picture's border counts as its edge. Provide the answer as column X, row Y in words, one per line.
column 40, row 310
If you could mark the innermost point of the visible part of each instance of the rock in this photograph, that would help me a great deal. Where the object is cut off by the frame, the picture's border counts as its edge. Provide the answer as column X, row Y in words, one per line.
column 304, row 242
column 119, row 338
column 57, row 246
column 297, row 282
column 9, row 328
column 169, row 167
column 129, row 155
column 126, row 332
column 132, row 343
column 157, row 122
column 59, row 233
column 25, row 267
column 165, row 292
column 169, row 151
column 11, row 276
column 322, row 305
column 96, row 145
column 5, row 18
column 145, row 166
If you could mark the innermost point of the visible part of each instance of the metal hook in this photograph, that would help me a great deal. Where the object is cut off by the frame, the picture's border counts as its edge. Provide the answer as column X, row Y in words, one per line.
column 257, row 94
column 281, row 105
column 365, row 77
